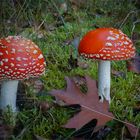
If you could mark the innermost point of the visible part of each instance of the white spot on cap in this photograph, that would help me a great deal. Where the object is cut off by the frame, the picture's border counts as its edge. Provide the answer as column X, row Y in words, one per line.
column 116, row 35
column 18, row 65
column 25, row 58
column 6, row 52
column 111, row 38
column 4, row 47
column 12, row 58
column 108, row 44
column 22, row 44
column 117, row 51
column 27, row 50
column 126, row 55
column 35, row 46
column 85, row 55
column 91, row 55
column 122, row 37
column 12, row 64
column 25, row 64
column 126, row 43
column 28, row 42
column 36, row 69
column 107, row 54
column 1, row 63
column 18, row 58
column 13, row 50
column 21, row 69
column 127, row 39
column 40, row 56
column 107, row 48
column 97, row 55
column 111, row 32
column 41, row 66
column 130, row 46
column 104, row 51
column 20, row 50
column 35, row 52
column 121, row 32
column 5, row 60
column 122, row 49
column 1, row 53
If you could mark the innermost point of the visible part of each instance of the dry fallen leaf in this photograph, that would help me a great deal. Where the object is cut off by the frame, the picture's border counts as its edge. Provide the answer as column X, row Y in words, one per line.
column 133, row 130
column 134, row 64
column 36, row 137
column 64, row 7
column 5, row 132
column 44, row 106
column 135, row 36
column 38, row 86
column 78, row 3
column 118, row 74
column 91, row 107
column 86, row 132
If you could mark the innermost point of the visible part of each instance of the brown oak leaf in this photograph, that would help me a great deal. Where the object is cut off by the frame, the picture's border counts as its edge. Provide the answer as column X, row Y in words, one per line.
column 134, row 131
column 91, row 107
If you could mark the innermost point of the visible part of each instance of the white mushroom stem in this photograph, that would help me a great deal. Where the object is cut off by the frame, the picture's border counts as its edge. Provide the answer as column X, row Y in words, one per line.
column 8, row 94
column 104, row 80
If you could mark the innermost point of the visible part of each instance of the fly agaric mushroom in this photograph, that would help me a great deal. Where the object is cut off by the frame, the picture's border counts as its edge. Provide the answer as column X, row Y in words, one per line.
column 106, row 44
column 20, row 59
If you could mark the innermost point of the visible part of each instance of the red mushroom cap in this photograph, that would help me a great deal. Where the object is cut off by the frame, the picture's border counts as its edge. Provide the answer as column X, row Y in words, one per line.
column 20, row 58
column 106, row 44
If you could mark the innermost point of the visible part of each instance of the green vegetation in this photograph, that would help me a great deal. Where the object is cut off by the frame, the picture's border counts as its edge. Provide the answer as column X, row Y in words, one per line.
column 54, row 29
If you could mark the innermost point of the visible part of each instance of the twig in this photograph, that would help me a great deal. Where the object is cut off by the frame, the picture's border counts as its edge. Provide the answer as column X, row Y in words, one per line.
column 134, row 25
column 137, row 132
column 131, row 12
column 122, row 133
column 41, row 24
column 22, row 8
column 22, row 132
column 86, row 107
column 62, row 19
column 53, row 3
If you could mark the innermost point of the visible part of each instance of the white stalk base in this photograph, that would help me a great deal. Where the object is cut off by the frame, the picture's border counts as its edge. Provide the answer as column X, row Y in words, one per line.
column 104, row 80
column 8, row 94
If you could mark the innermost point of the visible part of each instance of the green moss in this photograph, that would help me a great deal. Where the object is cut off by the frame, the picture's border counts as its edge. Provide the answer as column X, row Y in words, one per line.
column 45, row 124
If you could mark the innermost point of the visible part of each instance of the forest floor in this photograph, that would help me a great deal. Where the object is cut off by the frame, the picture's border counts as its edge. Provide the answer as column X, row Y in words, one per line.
column 57, row 27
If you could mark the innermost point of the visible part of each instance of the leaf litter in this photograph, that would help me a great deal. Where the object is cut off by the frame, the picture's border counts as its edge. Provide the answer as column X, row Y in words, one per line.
column 134, row 64
column 91, row 107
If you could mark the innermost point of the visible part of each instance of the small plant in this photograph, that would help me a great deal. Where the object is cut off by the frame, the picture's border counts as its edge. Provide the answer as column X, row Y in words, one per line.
column 9, row 117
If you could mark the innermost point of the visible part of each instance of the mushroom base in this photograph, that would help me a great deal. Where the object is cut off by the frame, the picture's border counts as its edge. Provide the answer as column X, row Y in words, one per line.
column 8, row 95
column 104, row 80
